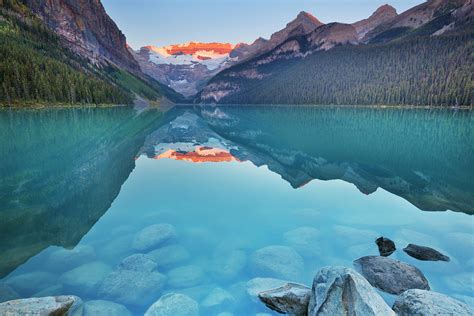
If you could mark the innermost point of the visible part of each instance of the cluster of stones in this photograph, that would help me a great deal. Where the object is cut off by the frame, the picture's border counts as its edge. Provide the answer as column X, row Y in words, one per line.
column 344, row 291
column 136, row 282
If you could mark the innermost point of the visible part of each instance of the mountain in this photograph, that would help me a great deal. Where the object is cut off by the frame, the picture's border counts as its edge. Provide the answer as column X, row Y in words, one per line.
column 184, row 67
column 87, row 29
column 64, row 52
column 381, row 16
column 433, row 17
column 303, row 24
column 368, row 62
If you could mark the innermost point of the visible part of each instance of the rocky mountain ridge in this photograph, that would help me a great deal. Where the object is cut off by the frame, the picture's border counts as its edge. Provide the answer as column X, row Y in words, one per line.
column 87, row 30
column 430, row 19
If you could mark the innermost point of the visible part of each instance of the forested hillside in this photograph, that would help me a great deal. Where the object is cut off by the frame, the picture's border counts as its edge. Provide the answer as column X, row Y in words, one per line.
column 418, row 71
column 37, row 69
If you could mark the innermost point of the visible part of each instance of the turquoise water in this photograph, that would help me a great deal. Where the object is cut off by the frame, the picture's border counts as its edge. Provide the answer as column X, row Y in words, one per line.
column 316, row 185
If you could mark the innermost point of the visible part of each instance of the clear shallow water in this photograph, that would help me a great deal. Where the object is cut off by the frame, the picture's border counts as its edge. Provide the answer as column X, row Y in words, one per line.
column 324, row 182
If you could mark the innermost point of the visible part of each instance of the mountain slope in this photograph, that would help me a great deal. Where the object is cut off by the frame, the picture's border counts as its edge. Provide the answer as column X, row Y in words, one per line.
column 429, row 65
column 58, row 53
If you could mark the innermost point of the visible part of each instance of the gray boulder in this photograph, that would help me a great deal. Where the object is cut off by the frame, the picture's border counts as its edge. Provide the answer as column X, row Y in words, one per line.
column 425, row 253
column 153, row 236
column 7, row 293
column 277, row 261
column 105, row 308
column 132, row 287
column 138, row 262
column 427, row 303
column 174, row 305
column 343, row 291
column 86, row 278
column 386, row 246
column 290, row 299
column 391, row 276
column 186, row 276
column 169, row 255
column 44, row 306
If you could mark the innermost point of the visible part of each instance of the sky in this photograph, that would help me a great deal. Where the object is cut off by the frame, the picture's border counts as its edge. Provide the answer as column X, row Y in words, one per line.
column 165, row 22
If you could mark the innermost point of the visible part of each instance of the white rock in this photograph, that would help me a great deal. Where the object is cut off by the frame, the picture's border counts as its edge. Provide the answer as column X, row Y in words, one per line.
column 258, row 285
column 138, row 262
column 290, row 299
column 43, row 306
column 343, row 291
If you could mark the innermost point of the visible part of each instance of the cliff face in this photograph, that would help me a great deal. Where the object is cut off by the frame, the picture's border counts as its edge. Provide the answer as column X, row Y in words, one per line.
column 86, row 29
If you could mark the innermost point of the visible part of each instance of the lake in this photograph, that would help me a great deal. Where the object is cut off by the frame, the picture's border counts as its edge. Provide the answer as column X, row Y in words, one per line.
column 226, row 201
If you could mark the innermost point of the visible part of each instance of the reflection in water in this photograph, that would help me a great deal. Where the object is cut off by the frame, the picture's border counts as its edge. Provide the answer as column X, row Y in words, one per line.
column 60, row 171
column 426, row 157
column 61, row 179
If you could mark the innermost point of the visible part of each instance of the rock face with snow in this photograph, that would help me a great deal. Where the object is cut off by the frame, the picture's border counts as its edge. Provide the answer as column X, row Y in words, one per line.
column 174, row 305
column 184, row 67
column 342, row 291
column 391, row 276
column 44, row 306
column 420, row 302
column 290, row 299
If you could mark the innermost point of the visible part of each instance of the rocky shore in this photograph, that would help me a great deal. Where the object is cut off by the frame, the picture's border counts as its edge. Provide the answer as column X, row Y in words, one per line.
column 156, row 277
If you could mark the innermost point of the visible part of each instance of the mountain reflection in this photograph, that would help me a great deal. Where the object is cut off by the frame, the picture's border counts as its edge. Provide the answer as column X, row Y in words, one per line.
column 423, row 156
column 60, row 171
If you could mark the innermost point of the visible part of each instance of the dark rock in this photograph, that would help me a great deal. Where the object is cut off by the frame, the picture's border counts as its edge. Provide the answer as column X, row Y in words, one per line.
column 290, row 299
column 420, row 302
column 386, row 246
column 44, row 306
column 425, row 253
column 391, row 276
column 343, row 291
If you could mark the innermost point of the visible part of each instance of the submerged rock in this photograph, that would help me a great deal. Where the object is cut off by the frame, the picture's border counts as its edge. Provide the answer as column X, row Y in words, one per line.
column 55, row 290
column 343, row 291
column 350, row 235
column 420, row 302
column 174, row 305
column 391, row 276
column 305, row 240
column 186, row 276
column 7, row 293
column 153, row 236
column 386, row 246
column 105, row 308
column 169, row 255
column 277, row 261
column 86, row 278
column 290, row 299
column 217, row 300
column 29, row 283
column 138, row 262
column 462, row 282
column 44, row 306
column 228, row 265
column 258, row 285
column 64, row 259
column 132, row 287
column 425, row 253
